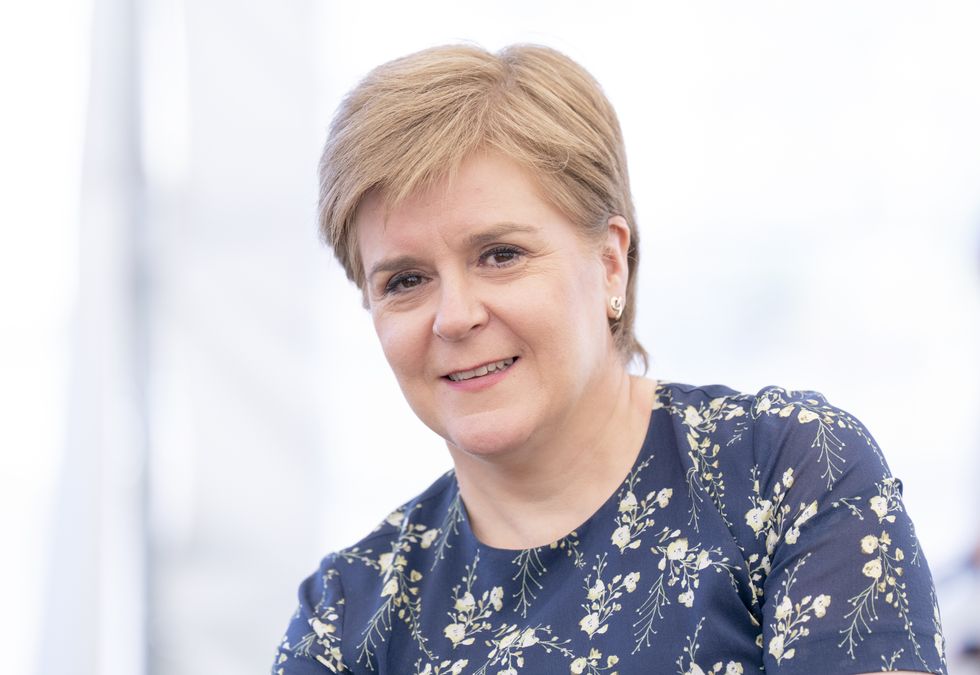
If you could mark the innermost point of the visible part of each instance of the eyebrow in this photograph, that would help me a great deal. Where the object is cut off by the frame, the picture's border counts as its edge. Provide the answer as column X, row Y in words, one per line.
column 476, row 240
column 497, row 231
column 393, row 264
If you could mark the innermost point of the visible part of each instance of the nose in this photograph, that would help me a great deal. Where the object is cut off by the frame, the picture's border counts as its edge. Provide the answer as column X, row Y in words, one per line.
column 460, row 311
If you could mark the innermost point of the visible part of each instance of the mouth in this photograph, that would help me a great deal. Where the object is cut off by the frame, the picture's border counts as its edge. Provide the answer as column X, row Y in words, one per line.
column 482, row 371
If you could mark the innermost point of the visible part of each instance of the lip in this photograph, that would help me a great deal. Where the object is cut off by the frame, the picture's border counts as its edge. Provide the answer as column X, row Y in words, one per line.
column 483, row 382
column 482, row 363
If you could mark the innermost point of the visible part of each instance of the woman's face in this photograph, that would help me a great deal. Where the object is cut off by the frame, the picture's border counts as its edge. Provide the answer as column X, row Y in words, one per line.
column 490, row 306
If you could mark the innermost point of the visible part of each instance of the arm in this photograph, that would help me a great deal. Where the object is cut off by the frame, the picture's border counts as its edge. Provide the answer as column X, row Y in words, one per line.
column 848, row 588
column 311, row 645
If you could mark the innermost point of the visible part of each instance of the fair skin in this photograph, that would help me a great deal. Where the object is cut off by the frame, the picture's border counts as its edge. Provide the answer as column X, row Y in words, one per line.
column 484, row 270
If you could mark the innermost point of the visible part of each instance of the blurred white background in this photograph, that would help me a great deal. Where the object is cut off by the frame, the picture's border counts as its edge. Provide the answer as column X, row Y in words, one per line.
column 191, row 394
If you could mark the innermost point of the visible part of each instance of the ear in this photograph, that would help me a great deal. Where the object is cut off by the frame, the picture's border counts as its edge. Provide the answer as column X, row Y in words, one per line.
column 615, row 252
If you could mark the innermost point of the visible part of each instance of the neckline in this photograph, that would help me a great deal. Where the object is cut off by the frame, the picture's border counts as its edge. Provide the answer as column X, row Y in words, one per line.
column 644, row 452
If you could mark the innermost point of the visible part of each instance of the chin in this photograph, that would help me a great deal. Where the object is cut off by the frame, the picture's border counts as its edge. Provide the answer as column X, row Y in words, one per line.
column 486, row 437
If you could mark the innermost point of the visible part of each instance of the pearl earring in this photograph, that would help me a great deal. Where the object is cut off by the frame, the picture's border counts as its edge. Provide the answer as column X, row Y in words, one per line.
column 617, row 304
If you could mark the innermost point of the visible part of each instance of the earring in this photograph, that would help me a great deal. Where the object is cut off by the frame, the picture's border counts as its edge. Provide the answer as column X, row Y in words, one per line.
column 617, row 304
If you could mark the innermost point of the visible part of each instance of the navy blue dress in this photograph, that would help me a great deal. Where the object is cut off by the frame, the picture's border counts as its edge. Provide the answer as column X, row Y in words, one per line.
column 754, row 533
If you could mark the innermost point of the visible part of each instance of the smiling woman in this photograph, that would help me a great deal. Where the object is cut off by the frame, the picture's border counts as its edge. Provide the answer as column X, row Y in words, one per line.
column 489, row 272
column 595, row 521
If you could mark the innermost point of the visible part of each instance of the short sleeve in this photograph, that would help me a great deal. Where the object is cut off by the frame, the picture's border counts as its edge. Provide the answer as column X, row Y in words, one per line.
column 849, row 590
column 311, row 645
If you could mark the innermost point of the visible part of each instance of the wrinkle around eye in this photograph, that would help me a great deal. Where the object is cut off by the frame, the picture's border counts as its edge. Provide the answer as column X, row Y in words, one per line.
column 516, row 252
column 385, row 291
column 393, row 287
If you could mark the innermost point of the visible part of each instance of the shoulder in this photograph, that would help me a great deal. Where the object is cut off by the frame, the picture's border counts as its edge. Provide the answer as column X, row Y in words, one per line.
column 808, row 498
column 416, row 520
column 315, row 636
column 773, row 430
column 766, row 463
column 415, row 524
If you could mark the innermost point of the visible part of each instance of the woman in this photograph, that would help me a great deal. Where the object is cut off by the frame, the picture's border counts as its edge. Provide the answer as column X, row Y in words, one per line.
column 594, row 522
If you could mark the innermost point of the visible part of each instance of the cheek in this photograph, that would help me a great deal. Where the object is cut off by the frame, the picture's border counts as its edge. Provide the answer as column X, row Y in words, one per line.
column 403, row 341
column 579, row 321
column 562, row 312
column 578, row 292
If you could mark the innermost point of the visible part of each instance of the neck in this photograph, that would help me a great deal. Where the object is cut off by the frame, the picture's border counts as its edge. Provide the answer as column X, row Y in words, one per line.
column 537, row 494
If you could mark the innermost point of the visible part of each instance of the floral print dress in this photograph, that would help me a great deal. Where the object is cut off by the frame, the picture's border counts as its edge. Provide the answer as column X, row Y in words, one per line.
column 754, row 533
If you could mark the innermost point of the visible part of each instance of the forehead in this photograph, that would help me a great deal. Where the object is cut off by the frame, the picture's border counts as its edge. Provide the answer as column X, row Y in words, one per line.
column 486, row 190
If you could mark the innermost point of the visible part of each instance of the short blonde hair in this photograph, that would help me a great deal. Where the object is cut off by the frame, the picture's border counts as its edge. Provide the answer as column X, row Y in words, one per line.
column 412, row 121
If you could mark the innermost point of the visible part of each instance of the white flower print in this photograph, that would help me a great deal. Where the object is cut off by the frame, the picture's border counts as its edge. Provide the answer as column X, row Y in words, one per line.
column 884, row 574
column 592, row 665
column 687, row 664
column 621, row 537
column 888, row 501
column 455, row 632
column 530, row 569
column 869, row 544
column 939, row 642
column 792, row 618
column 465, row 603
column 471, row 614
column 390, row 588
column 448, row 529
column 570, row 544
column 776, row 647
column 324, row 635
column 510, row 641
column 703, row 560
column 602, row 599
column 704, row 477
column 784, row 608
column 635, row 515
column 597, row 590
column 872, row 569
column 880, row 506
column 792, row 535
column 807, row 416
column 691, row 416
column 628, row 502
column 826, row 420
column 758, row 517
column 497, row 597
column 589, row 623
column 677, row 549
column 399, row 592
column 770, row 518
column 529, row 638
column 808, row 511
column 429, row 537
column 681, row 564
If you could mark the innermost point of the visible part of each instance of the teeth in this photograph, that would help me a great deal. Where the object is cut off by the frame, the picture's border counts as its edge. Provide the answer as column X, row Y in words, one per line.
column 482, row 370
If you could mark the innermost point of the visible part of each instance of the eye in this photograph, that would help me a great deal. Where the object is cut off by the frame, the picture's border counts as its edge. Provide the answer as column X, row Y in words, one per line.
column 501, row 256
column 403, row 282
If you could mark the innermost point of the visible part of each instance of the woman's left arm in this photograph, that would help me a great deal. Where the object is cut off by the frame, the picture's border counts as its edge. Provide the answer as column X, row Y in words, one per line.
column 848, row 588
